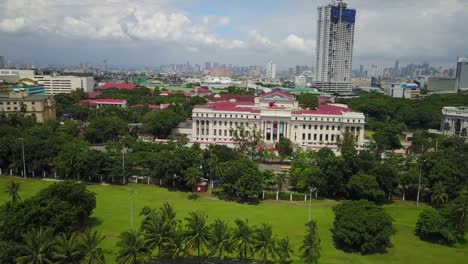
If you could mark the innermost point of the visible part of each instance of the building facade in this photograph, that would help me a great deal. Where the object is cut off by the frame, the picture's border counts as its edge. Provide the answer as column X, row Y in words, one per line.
column 13, row 75
column 402, row 90
column 19, row 101
column 454, row 121
column 275, row 115
column 437, row 85
column 335, row 42
column 65, row 84
column 462, row 75
column 271, row 70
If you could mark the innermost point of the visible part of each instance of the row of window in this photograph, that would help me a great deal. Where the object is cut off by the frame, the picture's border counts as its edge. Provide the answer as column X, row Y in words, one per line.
column 15, row 103
column 225, row 115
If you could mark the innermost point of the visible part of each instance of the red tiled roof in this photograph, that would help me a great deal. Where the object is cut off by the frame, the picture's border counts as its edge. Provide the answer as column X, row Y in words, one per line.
column 324, row 110
column 93, row 95
column 110, row 101
column 88, row 102
column 153, row 106
column 186, row 94
column 231, row 107
column 230, row 97
column 278, row 92
column 120, row 86
column 201, row 90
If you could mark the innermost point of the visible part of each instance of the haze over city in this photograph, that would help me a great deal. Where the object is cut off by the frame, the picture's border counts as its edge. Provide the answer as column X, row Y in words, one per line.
column 150, row 33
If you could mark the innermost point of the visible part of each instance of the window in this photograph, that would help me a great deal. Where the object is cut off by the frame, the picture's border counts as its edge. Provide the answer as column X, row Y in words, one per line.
column 225, row 132
column 315, row 127
column 303, row 136
column 321, row 127
column 326, row 137
column 214, row 123
column 309, row 136
column 332, row 137
column 333, row 127
column 214, row 132
column 303, row 126
column 315, row 137
column 321, row 137
column 326, row 127
column 310, row 126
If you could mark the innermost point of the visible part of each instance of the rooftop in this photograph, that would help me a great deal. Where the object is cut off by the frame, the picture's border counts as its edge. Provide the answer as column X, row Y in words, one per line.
column 326, row 109
column 120, row 86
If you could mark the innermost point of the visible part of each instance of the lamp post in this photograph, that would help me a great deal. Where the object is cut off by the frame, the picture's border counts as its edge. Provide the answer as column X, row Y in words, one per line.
column 24, row 160
column 419, row 181
column 123, row 164
column 132, row 192
column 311, row 189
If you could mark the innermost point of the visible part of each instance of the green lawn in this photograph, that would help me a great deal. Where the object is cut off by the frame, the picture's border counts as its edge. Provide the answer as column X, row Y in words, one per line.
column 113, row 216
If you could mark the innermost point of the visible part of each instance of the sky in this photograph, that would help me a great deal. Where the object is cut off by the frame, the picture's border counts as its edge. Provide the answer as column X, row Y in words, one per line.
column 137, row 33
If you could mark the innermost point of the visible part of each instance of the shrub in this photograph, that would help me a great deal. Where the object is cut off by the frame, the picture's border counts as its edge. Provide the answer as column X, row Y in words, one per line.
column 433, row 226
column 362, row 226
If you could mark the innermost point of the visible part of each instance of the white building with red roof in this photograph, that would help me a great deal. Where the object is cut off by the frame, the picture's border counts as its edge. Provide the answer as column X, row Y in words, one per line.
column 276, row 114
column 103, row 102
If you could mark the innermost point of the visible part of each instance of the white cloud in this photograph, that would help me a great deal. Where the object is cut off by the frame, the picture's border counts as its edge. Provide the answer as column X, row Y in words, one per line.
column 215, row 21
column 12, row 25
column 294, row 42
column 259, row 39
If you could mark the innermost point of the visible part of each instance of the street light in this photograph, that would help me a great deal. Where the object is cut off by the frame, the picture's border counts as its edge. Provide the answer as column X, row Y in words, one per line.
column 124, row 149
column 419, row 181
column 24, row 160
column 132, row 192
column 311, row 189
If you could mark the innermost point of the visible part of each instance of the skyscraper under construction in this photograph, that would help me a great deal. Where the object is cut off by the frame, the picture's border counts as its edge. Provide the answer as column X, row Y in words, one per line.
column 335, row 41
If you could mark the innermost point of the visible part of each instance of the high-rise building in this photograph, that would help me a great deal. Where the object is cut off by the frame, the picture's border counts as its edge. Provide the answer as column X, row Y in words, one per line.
column 2, row 62
column 207, row 65
column 397, row 68
column 462, row 75
column 271, row 70
column 335, row 41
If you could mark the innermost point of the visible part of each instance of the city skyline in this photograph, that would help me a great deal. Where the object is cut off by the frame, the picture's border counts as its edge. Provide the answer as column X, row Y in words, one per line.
column 150, row 33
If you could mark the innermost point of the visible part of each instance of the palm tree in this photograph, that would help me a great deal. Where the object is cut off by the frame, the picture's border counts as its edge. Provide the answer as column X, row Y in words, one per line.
column 89, row 246
column 67, row 249
column 176, row 244
column 264, row 243
column 12, row 190
column 37, row 247
column 157, row 228
column 284, row 251
column 242, row 240
column 192, row 177
column 439, row 197
column 220, row 238
column 197, row 231
column 132, row 248
column 169, row 215
column 311, row 244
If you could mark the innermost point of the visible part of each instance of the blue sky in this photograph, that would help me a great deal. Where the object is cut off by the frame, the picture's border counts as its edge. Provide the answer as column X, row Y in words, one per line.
column 153, row 32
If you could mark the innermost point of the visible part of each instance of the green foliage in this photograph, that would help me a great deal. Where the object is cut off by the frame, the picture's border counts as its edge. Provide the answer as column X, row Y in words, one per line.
column 219, row 238
column 102, row 129
column 365, row 186
column 241, row 179
column 90, row 247
column 432, row 226
column 63, row 207
column 247, row 141
column 37, row 247
column 311, row 244
column 67, row 249
column 284, row 147
column 362, row 226
column 265, row 242
column 307, row 100
column 284, row 250
column 132, row 248
column 197, row 232
column 161, row 123
column 242, row 239
column 12, row 190
column 424, row 113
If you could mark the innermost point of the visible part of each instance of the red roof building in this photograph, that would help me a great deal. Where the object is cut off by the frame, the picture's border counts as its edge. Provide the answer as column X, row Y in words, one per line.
column 120, row 86
column 230, row 98
column 275, row 115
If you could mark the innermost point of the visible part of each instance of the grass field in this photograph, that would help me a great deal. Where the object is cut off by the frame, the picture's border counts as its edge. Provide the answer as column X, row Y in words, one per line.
column 112, row 216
